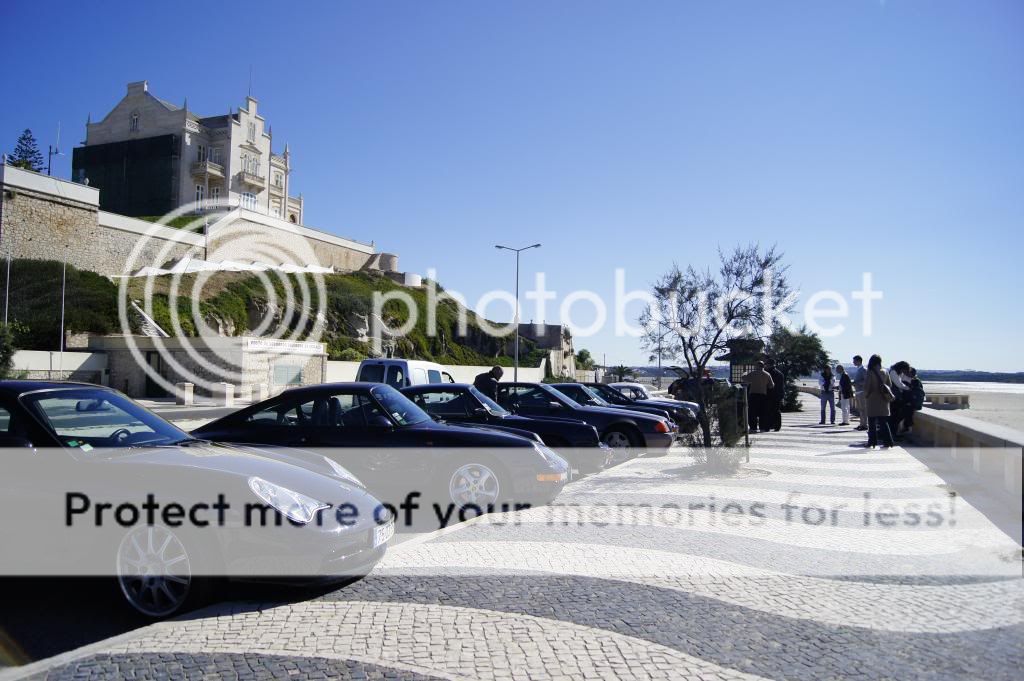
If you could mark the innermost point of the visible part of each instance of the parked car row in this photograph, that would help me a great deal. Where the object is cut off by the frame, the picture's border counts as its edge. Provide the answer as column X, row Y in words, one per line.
column 408, row 437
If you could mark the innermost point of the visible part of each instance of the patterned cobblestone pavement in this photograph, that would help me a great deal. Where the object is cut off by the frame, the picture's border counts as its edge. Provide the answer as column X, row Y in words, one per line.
column 651, row 570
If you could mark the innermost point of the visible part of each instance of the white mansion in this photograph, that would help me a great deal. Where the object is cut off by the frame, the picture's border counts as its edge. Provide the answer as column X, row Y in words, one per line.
column 149, row 157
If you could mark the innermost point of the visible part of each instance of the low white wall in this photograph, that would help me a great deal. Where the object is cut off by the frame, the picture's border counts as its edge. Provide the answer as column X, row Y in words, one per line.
column 990, row 450
column 45, row 360
column 339, row 372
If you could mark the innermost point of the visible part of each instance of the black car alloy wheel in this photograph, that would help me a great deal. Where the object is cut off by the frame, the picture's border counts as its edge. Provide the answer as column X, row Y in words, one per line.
column 474, row 484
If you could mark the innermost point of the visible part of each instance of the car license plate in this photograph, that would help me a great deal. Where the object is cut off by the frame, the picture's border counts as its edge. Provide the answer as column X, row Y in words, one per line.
column 382, row 533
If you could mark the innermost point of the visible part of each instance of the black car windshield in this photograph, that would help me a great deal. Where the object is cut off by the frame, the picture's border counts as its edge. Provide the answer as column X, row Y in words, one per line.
column 609, row 393
column 489, row 404
column 400, row 407
column 557, row 396
column 84, row 418
column 595, row 396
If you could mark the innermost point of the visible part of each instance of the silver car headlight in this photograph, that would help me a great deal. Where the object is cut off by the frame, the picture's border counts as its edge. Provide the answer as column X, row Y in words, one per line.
column 343, row 472
column 549, row 454
column 293, row 505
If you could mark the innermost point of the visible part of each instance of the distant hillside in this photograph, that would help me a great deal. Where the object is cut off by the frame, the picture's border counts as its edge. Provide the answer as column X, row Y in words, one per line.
column 970, row 375
column 235, row 302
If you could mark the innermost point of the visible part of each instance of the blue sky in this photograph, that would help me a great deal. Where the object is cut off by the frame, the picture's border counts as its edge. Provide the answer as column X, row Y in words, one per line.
column 857, row 135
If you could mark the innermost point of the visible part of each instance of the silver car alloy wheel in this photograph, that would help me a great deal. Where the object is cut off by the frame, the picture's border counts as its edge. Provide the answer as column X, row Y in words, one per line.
column 474, row 483
column 154, row 570
column 617, row 440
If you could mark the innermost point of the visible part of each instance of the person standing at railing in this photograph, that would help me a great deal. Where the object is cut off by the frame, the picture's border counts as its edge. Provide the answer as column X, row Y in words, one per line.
column 860, row 378
column 827, row 387
column 845, row 393
column 914, row 400
column 901, row 390
column 878, row 395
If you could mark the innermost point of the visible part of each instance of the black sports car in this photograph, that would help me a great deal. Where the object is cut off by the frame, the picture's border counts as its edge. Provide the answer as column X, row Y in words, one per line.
column 618, row 428
column 590, row 398
column 92, row 484
column 396, row 448
column 683, row 413
column 575, row 441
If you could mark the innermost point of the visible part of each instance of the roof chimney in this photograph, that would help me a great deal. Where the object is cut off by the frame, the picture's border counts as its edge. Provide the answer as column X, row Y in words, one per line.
column 138, row 87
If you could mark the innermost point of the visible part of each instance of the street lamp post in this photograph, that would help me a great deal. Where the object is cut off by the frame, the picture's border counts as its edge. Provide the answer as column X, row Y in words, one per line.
column 517, row 251
column 63, row 283
column 7, row 285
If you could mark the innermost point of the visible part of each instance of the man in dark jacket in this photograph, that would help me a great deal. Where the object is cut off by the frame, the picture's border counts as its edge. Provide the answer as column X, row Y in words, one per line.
column 776, row 396
column 487, row 382
column 759, row 387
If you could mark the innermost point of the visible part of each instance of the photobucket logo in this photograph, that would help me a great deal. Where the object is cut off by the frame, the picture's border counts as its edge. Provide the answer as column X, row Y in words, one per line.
column 395, row 313
column 172, row 274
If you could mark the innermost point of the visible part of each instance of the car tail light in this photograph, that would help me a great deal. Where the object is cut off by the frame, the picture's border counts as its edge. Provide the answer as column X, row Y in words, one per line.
column 661, row 427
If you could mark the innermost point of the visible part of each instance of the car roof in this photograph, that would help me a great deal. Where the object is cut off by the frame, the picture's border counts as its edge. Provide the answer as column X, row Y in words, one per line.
column 320, row 387
column 24, row 385
column 427, row 387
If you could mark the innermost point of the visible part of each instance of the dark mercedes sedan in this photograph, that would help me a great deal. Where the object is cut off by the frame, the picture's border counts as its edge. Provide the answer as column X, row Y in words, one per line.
column 92, row 484
column 397, row 448
column 590, row 398
column 683, row 413
column 576, row 441
column 619, row 429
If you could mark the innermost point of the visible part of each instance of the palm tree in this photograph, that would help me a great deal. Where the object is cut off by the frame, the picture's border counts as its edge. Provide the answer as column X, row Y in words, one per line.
column 622, row 372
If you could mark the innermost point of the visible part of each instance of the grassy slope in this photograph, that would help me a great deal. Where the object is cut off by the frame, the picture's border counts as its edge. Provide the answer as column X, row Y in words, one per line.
column 235, row 301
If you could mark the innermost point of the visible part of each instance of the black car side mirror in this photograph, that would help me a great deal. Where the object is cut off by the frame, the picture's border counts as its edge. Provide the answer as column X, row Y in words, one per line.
column 555, row 405
column 379, row 421
column 480, row 411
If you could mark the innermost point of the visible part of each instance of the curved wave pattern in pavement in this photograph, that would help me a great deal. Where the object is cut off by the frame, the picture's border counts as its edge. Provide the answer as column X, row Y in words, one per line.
column 525, row 598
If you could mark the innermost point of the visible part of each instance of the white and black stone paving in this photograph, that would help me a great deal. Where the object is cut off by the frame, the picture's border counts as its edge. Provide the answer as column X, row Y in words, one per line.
column 818, row 559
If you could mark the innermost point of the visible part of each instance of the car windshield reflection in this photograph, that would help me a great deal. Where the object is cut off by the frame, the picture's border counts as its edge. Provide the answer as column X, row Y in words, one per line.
column 488, row 404
column 84, row 419
column 400, row 407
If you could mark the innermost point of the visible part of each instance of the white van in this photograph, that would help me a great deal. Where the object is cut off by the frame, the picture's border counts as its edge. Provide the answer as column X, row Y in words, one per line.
column 401, row 373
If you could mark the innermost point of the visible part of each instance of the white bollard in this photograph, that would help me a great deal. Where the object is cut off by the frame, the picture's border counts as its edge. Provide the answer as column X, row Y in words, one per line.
column 184, row 393
column 226, row 393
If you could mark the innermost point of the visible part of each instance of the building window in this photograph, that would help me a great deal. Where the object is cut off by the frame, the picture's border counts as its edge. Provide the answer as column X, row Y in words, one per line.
column 133, row 126
column 201, row 153
column 252, row 132
column 215, row 195
column 200, row 191
column 278, row 180
column 215, row 154
column 275, row 209
column 249, row 200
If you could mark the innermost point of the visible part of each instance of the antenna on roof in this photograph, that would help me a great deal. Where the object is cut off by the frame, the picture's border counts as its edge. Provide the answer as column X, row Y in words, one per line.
column 53, row 151
column 250, row 80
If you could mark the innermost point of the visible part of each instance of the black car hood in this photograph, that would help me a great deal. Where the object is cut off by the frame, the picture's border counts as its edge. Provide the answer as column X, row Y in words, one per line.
column 616, row 412
column 464, row 434
column 668, row 404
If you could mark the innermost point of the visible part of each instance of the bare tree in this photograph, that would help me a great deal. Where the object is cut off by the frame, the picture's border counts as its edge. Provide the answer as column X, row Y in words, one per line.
column 746, row 296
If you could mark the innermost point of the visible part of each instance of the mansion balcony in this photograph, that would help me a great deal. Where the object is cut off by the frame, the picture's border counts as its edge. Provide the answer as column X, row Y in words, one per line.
column 252, row 181
column 205, row 169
